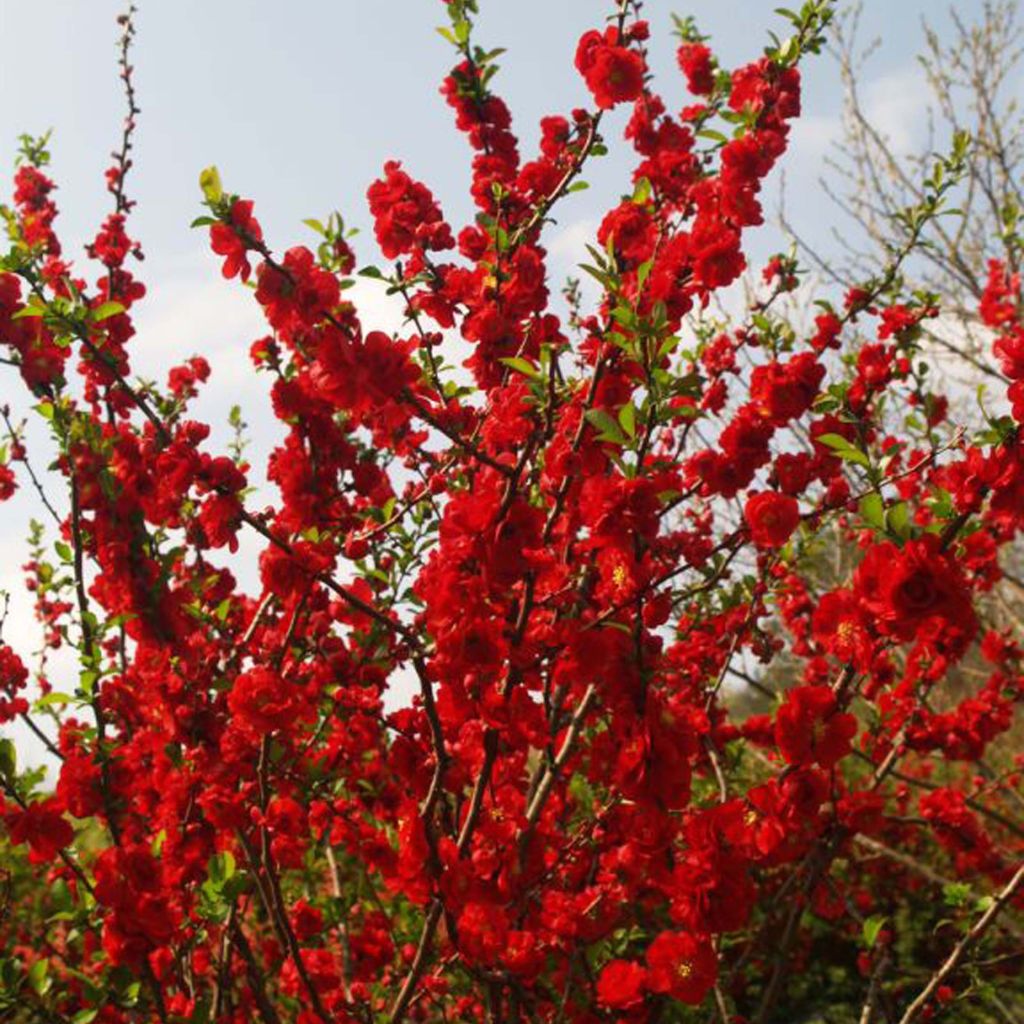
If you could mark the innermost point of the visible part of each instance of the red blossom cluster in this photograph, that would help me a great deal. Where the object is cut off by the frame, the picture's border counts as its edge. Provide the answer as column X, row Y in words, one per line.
column 573, row 560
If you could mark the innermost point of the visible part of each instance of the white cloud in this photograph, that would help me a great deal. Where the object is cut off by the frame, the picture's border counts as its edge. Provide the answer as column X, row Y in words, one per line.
column 896, row 106
column 570, row 244
column 811, row 140
column 377, row 310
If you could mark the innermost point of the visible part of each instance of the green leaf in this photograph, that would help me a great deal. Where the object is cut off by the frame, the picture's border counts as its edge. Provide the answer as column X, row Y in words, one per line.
column 834, row 441
column 713, row 135
column 578, row 186
column 521, row 365
column 872, row 927
column 956, row 894
column 897, row 520
column 201, row 222
column 607, row 428
column 27, row 311
column 8, row 759
column 581, row 791
column 642, row 273
column 87, row 682
column 106, row 311
column 627, row 419
column 844, row 449
column 221, row 867
column 642, row 191
column 372, row 272
column 201, row 1013
column 486, row 58
column 856, row 456
column 599, row 275
column 54, row 699
column 38, row 977
column 10, row 974
column 209, row 182
column 872, row 510
column 236, row 885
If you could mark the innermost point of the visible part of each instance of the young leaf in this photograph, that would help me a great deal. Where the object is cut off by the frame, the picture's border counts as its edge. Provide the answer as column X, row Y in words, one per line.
column 872, row 927
column 105, row 311
column 872, row 510
column 8, row 759
column 523, row 366
column 209, row 182
column 607, row 427
column 627, row 419
column 844, row 449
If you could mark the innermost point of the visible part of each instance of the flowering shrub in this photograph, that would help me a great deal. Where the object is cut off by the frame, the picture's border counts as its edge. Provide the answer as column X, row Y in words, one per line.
column 578, row 543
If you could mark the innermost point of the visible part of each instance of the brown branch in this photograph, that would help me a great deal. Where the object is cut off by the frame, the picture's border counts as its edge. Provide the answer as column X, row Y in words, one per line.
column 550, row 774
column 256, row 979
column 953, row 960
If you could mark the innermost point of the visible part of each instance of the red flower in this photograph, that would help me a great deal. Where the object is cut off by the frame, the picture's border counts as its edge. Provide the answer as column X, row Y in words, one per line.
column 1010, row 351
column 405, row 214
column 785, row 391
column 696, row 62
column 8, row 482
column 717, row 257
column 632, row 231
column 998, row 306
column 910, row 588
column 80, row 785
column 839, row 625
column 42, row 826
column 226, row 238
column 809, row 728
column 682, row 966
column 957, row 827
column 129, row 882
column 111, row 245
column 483, row 932
column 613, row 73
column 220, row 516
column 307, row 921
column 772, row 518
column 621, row 984
column 262, row 701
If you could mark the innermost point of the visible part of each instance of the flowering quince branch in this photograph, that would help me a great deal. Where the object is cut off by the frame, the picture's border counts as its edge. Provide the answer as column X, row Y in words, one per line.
column 982, row 925
column 573, row 545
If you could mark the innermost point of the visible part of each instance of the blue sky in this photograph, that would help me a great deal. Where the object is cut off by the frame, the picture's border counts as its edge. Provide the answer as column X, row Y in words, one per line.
column 300, row 104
